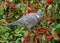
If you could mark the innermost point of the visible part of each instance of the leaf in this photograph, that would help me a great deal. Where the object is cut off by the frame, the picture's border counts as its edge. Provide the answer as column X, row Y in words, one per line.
column 12, row 42
column 44, row 41
column 7, row 35
column 16, row 1
column 43, row 1
column 53, row 29
column 1, row 10
column 43, row 37
column 18, row 6
column 18, row 35
column 58, row 16
column 22, row 28
column 58, row 26
column 54, row 35
column 5, row 6
column 17, row 41
column 3, row 37
column 10, row 15
column 31, row 40
column 31, row 34
column 3, row 29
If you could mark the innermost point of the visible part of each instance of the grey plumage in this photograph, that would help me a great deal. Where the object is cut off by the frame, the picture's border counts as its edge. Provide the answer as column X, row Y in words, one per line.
column 29, row 20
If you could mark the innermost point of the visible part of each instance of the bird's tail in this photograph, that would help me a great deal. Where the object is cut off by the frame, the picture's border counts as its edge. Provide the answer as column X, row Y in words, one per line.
column 11, row 24
column 15, row 23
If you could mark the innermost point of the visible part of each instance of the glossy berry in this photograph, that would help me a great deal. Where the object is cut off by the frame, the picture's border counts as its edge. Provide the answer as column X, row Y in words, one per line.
column 29, row 4
column 13, row 7
column 8, row 20
column 1, row 4
column 7, row 5
column 59, row 39
column 56, row 33
column 48, row 1
column 32, row 11
column 49, row 36
column 34, row 42
column 51, row 19
column 35, row 36
column 26, row 39
column 28, row 36
column 38, row 38
column 41, row 30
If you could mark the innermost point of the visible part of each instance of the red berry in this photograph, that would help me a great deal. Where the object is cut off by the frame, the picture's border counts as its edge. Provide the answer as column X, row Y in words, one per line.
column 7, row 5
column 8, row 20
column 29, row 11
column 51, row 19
column 49, row 36
column 28, row 36
column 34, row 42
column 48, row 1
column 0, row 4
column 32, row 11
column 13, row 7
column 26, row 39
column 29, row 4
column 38, row 38
column 41, row 30
column 35, row 36
column 59, row 39
column 56, row 33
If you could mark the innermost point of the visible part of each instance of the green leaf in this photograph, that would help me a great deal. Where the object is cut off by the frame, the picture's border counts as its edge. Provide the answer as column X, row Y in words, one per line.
column 58, row 26
column 31, row 34
column 10, row 15
column 44, row 41
column 54, row 35
column 7, row 35
column 31, row 40
column 18, row 35
column 5, row 6
column 1, row 10
column 58, row 16
column 18, row 6
column 44, row 1
column 43, row 37
column 3, row 29
column 53, row 29
column 12, row 42
column 17, row 41
column 16, row 1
